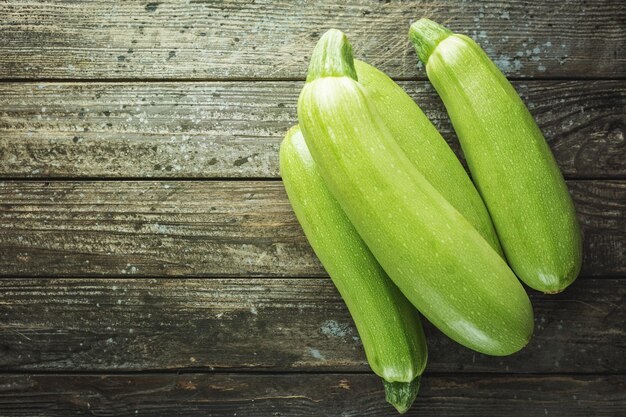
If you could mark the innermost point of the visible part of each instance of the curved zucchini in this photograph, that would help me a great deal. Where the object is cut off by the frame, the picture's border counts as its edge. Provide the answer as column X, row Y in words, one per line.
column 508, row 157
column 446, row 269
column 426, row 148
column 389, row 326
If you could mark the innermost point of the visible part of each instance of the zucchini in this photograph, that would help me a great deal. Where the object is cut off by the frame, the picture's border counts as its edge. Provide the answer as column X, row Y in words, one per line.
column 389, row 326
column 445, row 268
column 426, row 148
column 508, row 157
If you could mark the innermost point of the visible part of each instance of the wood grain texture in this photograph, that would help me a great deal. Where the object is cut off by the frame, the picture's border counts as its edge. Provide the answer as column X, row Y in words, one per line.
column 91, row 271
column 215, row 228
column 209, row 130
column 268, row 39
column 307, row 395
column 270, row 324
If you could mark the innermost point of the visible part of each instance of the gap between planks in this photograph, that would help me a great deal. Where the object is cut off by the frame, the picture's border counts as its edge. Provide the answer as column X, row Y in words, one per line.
column 226, row 179
column 263, row 79
column 200, row 371
column 229, row 277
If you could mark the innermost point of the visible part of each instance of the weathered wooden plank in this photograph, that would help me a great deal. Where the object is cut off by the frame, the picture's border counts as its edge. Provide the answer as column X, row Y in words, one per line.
column 270, row 324
column 307, row 395
column 216, row 228
column 207, row 39
column 209, row 130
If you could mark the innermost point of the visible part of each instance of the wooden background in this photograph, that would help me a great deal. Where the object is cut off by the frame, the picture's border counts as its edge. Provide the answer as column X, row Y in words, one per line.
column 151, row 265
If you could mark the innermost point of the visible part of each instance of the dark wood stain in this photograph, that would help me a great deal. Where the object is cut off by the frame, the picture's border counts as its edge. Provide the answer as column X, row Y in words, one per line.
column 272, row 325
column 211, row 228
column 310, row 395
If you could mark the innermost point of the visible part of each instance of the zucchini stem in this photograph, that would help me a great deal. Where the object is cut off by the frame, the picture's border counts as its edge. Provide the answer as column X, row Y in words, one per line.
column 401, row 394
column 332, row 57
column 425, row 35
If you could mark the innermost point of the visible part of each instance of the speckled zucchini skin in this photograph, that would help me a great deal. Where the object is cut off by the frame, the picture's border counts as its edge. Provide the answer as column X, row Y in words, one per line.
column 426, row 148
column 389, row 326
column 509, row 159
column 432, row 253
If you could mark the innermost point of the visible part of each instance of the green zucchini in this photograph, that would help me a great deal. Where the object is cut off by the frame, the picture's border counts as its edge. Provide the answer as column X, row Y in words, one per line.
column 440, row 262
column 426, row 148
column 508, row 157
column 389, row 326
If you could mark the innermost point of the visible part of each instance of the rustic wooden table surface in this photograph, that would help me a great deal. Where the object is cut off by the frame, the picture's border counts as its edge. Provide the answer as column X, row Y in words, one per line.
column 150, row 261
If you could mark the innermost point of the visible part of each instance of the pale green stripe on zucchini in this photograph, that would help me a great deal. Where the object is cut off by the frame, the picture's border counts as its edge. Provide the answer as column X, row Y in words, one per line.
column 389, row 326
column 508, row 157
column 440, row 262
